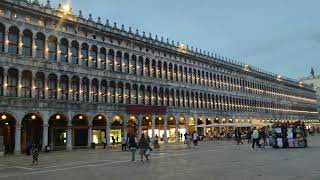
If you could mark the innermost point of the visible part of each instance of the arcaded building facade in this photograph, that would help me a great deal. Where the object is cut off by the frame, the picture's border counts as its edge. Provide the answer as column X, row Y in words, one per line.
column 67, row 81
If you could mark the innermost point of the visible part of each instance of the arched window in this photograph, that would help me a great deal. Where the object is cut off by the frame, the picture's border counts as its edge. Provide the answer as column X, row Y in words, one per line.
column 12, row 88
column 161, row 97
column 85, row 54
column 112, row 92
column 26, row 80
column 127, row 93
column 147, row 67
column 39, row 83
column 2, row 34
column 135, row 94
column 148, row 96
column 155, row 95
column 118, row 63
column 120, row 93
column 52, row 48
column 165, row 70
column 142, row 94
column 74, row 52
column 64, row 87
column 85, row 89
column 64, row 50
column 95, row 90
column 170, row 71
column 126, row 63
column 133, row 64
column 52, row 86
column 159, row 70
column 40, row 43
column 103, row 56
column 13, row 46
column 94, row 56
column 104, row 91
column 27, row 43
column 140, row 66
column 75, row 90
column 154, row 69
column 111, row 59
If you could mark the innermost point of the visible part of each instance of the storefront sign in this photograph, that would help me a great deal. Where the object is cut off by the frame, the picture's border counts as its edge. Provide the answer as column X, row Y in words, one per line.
column 142, row 109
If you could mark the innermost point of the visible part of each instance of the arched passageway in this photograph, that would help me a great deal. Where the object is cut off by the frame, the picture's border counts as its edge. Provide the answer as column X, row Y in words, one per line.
column 99, row 124
column 7, row 131
column 58, row 125
column 132, row 125
column 31, row 131
column 116, row 130
column 80, row 131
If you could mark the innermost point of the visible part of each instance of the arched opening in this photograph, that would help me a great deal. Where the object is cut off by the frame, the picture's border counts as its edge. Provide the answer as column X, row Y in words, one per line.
column 75, row 89
column 118, row 63
column 146, row 126
column 154, row 69
column 12, row 87
column 112, row 92
column 95, row 90
column 127, row 93
column 172, row 128
column 140, row 66
column 120, row 93
column 13, row 45
column 52, row 86
column 104, row 91
column 31, row 131
column 159, row 128
column 103, row 58
column 39, row 85
column 2, row 34
column 147, row 67
column 159, row 69
column 80, row 131
column 7, row 131
column 132, row 125
column 52, row 48
column 94, row 56
column 64, row 43
column 116, row 130
column 85, row 89
column 126, row 63
column 133, row 64
column 181, row 127
column 99, row 124
column 191, row 124
column 58, row 125
column 200, row 130
column 64, row 87
column 74, row 52
column 135, row 94
column 85, row 54
column 40, row 45
column 26, row 83
column 111, row 59
column 27, row 43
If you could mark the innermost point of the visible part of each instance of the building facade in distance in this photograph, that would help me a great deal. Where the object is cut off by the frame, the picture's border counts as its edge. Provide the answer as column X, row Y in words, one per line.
column 67, row 81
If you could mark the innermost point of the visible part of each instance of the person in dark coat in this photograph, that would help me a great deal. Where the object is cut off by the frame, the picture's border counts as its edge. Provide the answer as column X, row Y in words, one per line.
column 132, row 146
column 35, row 154
column 143, row 146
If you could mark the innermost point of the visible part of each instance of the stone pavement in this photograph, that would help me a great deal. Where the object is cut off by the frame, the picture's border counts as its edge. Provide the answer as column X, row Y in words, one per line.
column 212, row 160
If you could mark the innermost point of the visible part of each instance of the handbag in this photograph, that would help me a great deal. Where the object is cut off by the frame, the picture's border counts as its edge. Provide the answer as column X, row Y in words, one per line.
column 147, row 152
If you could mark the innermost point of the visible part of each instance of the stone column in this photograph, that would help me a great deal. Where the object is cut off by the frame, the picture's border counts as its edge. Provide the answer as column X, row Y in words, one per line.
column 165, row 128
column 58, row 51
column 108, row 129
column 90, row 91
column 139, row 125
column 125, row 125
column 34, row 47
column 89, row 135
column 20, row 42
column 69, row 55
column 80, row 89
column 6, row 41
column 18, row 139
column 58, row 87
column 33, row 84
column 153, row 126
column 5, row 81
column 45, row 86
column 45, row 136
column 177, row 129
column 19, row 82
column 69, row 137
column 46, row 49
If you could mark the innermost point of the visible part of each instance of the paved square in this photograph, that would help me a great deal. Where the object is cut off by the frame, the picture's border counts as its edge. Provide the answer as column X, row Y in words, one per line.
column 212, row 160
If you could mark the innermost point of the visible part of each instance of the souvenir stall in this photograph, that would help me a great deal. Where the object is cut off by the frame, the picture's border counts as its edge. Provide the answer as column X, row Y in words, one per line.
column 286, row 135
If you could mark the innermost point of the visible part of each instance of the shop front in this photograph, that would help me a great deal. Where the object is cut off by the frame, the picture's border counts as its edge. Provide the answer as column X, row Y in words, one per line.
column 7, row 131
column 80, row 131
column 58, row 132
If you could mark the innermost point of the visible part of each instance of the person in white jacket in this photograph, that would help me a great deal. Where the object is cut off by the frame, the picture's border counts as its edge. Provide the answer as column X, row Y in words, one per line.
column 255, row 137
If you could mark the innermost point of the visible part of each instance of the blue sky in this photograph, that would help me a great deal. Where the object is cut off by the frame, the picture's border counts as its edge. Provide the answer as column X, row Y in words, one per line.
column 278, row 36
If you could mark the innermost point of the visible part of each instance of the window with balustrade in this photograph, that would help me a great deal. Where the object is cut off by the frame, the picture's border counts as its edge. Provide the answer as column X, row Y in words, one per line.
column 27, row 43
column 13, row 40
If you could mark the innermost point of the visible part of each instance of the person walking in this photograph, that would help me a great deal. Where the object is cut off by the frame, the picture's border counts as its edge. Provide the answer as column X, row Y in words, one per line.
column 104, row 141
column 133, row 146
column 117, row 139
column 143, row 146
column 255, row 137
column 188, row 140
column 35, row 154
column 123, row 143
column 238, row 136
column 195, row 139
column 248, row 136
column 113, row 142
